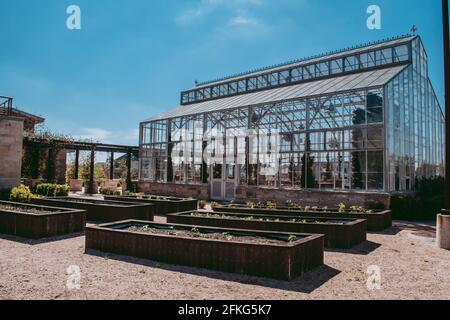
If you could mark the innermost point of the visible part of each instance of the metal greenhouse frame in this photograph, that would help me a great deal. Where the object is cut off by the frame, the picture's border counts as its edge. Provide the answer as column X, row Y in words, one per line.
column 363, row 118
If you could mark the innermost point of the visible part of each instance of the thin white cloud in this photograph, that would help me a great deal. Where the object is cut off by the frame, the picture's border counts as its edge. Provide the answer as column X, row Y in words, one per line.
column 207, row 7
column 243, row 21
column 203, row 8
column 95, row 134
column 124, row 136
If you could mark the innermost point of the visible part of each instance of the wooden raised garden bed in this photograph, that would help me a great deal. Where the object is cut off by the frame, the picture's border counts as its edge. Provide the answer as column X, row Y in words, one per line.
column 36, row 222
column 267, row 254
column 100, row 210
column 376, row 220
column 163, row 205
column 339, row 233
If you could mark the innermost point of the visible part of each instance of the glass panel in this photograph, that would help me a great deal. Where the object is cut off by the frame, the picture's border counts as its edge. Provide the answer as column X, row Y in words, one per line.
column 367, row 59
column 351, row 64
column 336, row 66
column 401, row 53
column 217, row 171
column 374, row 107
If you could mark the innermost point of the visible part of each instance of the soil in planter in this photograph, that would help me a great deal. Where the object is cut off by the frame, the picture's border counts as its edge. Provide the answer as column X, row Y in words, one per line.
column 256, row 218
column 26, row 209
column 225, row 236
column 308, row 209
column 160, row 198
column 80, row 200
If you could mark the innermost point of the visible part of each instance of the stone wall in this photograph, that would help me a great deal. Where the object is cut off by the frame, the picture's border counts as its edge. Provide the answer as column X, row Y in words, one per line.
column 61, row 167
column 330, row 198
column 11, row 140
column 196, row 191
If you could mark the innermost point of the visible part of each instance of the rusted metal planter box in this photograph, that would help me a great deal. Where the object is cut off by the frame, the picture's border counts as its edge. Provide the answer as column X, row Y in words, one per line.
column 53, row 222
column 346, row 235
column 279, row 261
column 100, row 210
column 162, row 206
column 376, row 221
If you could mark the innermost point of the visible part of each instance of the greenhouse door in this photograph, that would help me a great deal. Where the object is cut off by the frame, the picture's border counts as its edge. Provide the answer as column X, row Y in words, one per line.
column 223, row 182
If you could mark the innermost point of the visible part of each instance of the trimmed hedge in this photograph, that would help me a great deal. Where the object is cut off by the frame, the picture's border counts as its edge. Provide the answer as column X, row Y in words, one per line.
column 21, row 194
column 109, row 192
column 425, row 204
column 52, row 190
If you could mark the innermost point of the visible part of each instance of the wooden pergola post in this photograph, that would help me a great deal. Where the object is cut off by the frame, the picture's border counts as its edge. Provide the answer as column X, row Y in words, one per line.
column 49, row 168
column 129, row 185
column 111, row 166
column 77, row 164
column 91, row 171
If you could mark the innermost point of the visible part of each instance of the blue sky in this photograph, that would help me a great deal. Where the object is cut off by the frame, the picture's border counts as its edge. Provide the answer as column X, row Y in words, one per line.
column 132, row 58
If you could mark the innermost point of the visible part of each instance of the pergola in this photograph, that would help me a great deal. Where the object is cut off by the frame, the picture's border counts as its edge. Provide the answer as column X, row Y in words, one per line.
column 92, row 147
column 110, row 148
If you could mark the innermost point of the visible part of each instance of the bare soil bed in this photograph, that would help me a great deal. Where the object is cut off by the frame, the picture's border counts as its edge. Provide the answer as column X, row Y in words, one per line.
column 411, row 268
column 25, row 209
column 216, row 236
column 267, row 219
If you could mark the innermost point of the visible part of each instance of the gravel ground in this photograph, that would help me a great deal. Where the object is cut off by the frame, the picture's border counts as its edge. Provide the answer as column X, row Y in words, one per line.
column 410, row 264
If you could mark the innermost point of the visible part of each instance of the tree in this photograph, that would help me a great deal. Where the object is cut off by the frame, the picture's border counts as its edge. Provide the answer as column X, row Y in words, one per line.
column 359, row 117
column 328, row 175
column 293, row 174
column 307, row 178
column 85, row 170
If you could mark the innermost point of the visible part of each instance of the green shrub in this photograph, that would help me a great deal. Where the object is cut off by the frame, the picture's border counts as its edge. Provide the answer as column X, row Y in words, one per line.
column 214, row 205
column 202, row 204
column 52, row 190
column 376, row 206
column 423, row 205
column 21, row 194
column 109, row 192
column 61, row 190
column 271, row 205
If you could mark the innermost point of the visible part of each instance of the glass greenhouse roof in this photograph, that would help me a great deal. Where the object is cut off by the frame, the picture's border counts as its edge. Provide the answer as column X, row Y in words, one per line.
column 350, row 82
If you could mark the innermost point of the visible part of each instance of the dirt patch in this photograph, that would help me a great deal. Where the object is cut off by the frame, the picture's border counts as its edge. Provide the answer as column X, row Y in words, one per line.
column 410, row 268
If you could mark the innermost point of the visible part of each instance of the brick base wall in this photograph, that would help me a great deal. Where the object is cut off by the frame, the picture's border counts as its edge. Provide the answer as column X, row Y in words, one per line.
column 195, row 191
column 244, row 193
column 330, row 198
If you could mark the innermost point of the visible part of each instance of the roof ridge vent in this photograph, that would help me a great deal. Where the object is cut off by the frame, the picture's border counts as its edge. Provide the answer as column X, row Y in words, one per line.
column 307, row 58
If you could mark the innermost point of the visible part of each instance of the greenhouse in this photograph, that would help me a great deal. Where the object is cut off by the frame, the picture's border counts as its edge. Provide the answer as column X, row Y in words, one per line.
column 363, row 119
